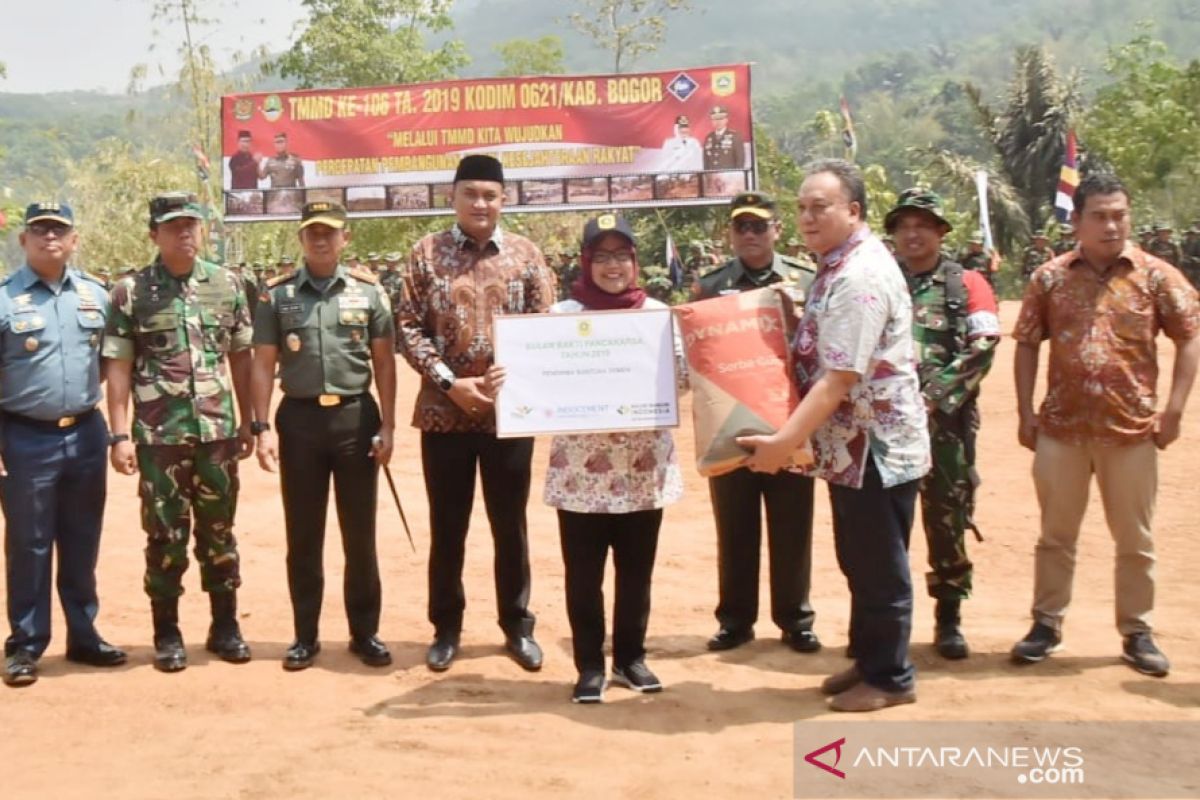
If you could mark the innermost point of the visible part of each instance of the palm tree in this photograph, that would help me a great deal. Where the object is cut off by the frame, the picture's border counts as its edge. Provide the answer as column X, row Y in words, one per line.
column 1028, row 135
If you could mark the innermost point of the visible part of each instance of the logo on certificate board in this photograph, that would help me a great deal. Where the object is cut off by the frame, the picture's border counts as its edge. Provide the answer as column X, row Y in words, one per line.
column 272, row 107
column 520, row 412
column 585, row 327
column 682, row 87
column 243, row 109
column 724, row 83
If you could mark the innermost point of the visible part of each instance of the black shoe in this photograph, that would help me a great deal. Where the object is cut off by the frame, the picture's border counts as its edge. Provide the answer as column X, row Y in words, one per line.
column 102, row 654
column 300, row 655
column 1143, row 654
column 525, row 651
column 948, row 637
column 802, row 641
column 169, row 653
column 20, row 669
column 224, row 636
column 442, row 653
column 589, row 689
column 371, row 651
column 637, row 676
column 728, row 638
column 1041, row 641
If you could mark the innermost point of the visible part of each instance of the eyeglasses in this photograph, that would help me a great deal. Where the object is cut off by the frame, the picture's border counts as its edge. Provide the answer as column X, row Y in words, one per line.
column 43, row 229
column 758, row 226
column 606, row 257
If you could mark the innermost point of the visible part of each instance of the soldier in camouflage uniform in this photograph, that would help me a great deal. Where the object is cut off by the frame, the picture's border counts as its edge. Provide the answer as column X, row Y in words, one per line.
column 975, row 259
column 1163, row 245
column 1066, row 239
column 392, row 277
column 178, row 332
column 1038, row 253
column 956, row 328
column 1145, row 237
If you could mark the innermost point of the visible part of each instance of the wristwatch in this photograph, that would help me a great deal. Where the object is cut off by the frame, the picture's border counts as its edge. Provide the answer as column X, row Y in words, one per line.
column 259, row 426
column 444, row 376
column 116, row 438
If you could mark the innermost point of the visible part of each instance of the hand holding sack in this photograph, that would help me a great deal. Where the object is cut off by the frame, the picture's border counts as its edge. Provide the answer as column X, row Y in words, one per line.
column 738, row 356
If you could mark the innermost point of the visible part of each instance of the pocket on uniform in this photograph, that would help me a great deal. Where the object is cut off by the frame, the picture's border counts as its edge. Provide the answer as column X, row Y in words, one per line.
column 218, row 331
column 25, row 333
column 352, row 324
column 159, row 333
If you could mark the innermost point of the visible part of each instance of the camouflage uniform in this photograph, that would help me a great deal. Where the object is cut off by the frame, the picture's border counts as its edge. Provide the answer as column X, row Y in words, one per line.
column 1034, row 257
column 1191, row 256
column 953, row 361
column 1166, row 249
column 978, row 262
column 178, row 333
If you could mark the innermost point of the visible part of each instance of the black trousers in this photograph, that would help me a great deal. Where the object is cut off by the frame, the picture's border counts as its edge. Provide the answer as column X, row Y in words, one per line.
column 314, row 443
column 586, row 540
column 871, row 529
column 450, row 461
column 738, row 498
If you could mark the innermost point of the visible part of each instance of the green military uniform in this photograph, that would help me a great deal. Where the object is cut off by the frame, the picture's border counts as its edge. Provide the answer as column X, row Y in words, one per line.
column 1166, row 249
column 1065, row 241
column 1035, row 256
column 955, row 333
column 323, row 330
column 392, row 277
column 734, row 276
column 977, row 260
column 179, row 334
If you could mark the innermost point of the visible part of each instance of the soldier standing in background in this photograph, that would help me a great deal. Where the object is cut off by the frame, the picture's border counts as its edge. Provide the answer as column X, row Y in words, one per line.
column 1066, row 239
column 1163, row 245
column 178, row 334
column 1038, row 253
column 1191, row 254
column 956, row 327
column 1145, row 237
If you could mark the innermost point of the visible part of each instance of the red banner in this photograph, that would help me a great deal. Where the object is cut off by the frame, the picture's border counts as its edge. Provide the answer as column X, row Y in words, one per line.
column 676, row 137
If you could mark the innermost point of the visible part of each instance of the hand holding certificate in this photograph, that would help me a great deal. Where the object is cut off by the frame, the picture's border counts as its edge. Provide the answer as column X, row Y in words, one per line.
column 588, row 372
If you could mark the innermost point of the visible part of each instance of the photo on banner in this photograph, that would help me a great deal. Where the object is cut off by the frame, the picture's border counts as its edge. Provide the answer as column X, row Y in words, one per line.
column 674, row 137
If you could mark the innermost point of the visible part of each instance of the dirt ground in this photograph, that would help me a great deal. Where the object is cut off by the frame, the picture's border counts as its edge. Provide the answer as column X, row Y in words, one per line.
column 488, row 729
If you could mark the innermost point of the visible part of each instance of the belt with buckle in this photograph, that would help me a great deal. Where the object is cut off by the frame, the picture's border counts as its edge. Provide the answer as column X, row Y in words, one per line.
column 62, row 423
column 327, row 400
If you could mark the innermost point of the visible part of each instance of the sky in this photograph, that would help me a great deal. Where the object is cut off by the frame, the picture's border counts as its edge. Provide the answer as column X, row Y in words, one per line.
column 94, row 44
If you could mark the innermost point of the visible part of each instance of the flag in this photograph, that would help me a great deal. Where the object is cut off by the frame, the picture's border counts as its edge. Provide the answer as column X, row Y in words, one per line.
column 674, row 263
column 202, row 163
column 985, row 218
column 848, row 137
column 1068, row 181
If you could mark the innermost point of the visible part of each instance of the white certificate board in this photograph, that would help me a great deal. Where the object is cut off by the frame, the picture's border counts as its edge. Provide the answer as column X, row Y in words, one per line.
column 587, row 372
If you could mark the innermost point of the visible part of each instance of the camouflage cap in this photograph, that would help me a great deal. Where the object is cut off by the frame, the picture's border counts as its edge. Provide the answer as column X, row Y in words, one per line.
column 976, row 238
column 372, row 256
column 1162, row 225
column 1066, row 229
column 1038, row 233
column 174, row 205
column 394, row 257
column 917, row 198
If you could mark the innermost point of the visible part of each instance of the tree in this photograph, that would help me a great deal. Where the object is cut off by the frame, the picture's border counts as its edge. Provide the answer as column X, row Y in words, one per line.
column 542, row 56
column 372, row 43
column 1027, row 137
column 1145, row 125
column 628, row 28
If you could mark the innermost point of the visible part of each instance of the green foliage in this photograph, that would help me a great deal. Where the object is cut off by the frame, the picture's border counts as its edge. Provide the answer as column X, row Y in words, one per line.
column 1146, row 124
column 372, row 43
column 542, row 56
column 629, row 29
column 110, row 191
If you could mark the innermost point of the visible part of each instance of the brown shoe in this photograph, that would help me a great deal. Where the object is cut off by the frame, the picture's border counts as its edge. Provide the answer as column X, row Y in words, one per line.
column 846, row 679
column 864, row 697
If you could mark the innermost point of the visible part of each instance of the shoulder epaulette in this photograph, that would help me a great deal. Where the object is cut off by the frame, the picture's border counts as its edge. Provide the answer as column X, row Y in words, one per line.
column 799, row 263
column 91, row 277
column 364, row 275
column 278, row 279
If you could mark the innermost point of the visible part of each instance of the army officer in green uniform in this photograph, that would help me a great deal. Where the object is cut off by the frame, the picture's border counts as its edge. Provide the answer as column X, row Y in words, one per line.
column 329, row 327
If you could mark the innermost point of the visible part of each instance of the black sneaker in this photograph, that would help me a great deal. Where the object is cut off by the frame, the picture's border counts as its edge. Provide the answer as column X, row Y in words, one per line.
column 589, row 688
column 637, row 676
column 1041, row 641
column 1143, row 655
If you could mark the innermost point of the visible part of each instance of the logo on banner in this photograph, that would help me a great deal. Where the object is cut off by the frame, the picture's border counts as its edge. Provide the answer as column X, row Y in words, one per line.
column 243, row 109
column 272, row 107
column 724, row 83
column 682, row 87
column 585, row 327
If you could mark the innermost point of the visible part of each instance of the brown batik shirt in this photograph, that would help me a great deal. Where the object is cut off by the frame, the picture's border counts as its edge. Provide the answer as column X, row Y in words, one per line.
column 1102, row 327
column 452, row 290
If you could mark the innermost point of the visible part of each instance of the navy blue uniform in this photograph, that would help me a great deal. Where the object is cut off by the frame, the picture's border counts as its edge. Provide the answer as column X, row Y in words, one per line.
column 55, row 447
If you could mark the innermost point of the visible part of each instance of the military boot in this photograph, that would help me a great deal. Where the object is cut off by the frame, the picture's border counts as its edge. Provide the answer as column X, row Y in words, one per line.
column 948, row 636
column 225, row 637
column 169, row 655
